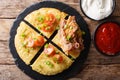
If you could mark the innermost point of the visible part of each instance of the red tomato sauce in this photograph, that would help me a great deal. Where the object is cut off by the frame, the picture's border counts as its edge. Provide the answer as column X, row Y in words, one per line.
column 108, row 38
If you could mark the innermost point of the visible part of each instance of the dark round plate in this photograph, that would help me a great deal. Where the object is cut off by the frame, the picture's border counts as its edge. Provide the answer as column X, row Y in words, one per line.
column 76, row 67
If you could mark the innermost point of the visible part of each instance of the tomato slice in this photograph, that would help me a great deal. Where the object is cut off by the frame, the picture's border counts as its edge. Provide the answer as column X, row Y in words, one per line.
column 58, row 58
column 50, row 19
column 49, row 50
column 35, row 43
column 39, row 41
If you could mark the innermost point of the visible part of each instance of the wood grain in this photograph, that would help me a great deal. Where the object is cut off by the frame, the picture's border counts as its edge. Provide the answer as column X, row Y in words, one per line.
column 5, row 56
column 103, row 72
column 10, row 10
column 11, row 72
column 90, row 72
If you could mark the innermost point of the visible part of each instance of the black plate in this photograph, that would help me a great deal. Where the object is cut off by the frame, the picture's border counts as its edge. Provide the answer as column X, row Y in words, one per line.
column 76, row 67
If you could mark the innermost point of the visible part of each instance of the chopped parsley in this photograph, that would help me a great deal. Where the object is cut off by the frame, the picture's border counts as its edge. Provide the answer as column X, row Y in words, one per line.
column 40, row 33
column 26, row 50
column 65, row 26
column 46, row 45
column 55, row 59
column 68, row 37
column 47, row 18
column 83, row 32
column 71, row 27
column 41, row 19
column 41, row 26
column 24, row 44
column 72, row 58
column 38, row 27
column 44, row 25
column 40, row 66
column 35, row 38
column 32, row 48
column 47, row 28
column 58, row 27
column 58, row 17
column 49, row 64
column 57, row 52
column 23, row 35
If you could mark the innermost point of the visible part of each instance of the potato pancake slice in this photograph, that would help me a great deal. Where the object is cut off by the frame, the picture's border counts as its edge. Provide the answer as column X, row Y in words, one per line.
column 51, row 65
column 27, row 42
column 46, row 20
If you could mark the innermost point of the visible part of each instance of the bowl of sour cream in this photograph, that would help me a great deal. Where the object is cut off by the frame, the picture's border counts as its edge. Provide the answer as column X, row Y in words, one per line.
column 97, row 9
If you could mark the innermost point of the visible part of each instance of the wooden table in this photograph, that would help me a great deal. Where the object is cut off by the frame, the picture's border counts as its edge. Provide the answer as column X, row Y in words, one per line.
column 97, row 66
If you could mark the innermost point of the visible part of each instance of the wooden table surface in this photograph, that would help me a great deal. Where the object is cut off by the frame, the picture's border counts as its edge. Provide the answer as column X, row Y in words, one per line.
column 96, row 67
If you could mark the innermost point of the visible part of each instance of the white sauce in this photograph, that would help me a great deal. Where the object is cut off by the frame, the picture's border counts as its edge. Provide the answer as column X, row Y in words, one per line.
column 97, row 9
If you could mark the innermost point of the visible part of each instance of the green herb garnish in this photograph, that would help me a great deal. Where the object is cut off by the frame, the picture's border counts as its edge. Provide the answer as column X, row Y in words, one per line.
column 47, row 18
column 57, row 52
column 24, row 44
column 55, row 60
column 46, row 45
column 34, row 38
column 44, row 25
column 49, row 64
column 72, row 58
column 71, row 27
column 32, row 48
column 58, row 27
column 47, row 28
column 40, row 66
column 83, row 32
column 40, row 33
column 26, row 50
column 41, row 19
column 58, row 17
column 65, row 26
column 68, row 37
column 46, row 55
column 23, row 35
column 38, row 27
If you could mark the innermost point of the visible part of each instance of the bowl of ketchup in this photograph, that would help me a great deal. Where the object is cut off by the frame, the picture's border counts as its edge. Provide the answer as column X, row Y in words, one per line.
column 107, row 38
